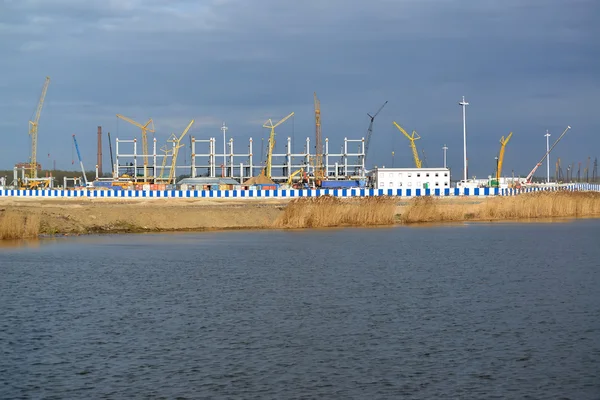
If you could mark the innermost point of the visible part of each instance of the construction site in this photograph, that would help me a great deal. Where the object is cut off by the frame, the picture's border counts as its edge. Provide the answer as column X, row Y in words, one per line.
column 141, row 163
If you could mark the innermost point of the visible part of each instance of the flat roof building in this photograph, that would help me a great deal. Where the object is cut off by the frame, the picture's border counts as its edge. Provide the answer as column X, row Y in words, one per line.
column 410, row 178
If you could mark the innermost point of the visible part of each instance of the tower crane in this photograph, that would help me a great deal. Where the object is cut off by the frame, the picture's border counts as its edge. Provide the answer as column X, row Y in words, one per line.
column 370, row 131
column 145, row 129
column 269, row 124
column 412, row 139
column 165, row 149
column 503, row 143
column 318, row 159
column 33, row 130
column 528, row 179
column 176, row 146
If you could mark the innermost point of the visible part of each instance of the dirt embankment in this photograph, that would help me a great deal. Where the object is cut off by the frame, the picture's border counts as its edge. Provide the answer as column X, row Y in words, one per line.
column 28, row 218
column 66, row 216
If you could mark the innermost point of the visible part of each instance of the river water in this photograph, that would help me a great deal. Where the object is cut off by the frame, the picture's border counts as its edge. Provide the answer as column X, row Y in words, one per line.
column 434, row 312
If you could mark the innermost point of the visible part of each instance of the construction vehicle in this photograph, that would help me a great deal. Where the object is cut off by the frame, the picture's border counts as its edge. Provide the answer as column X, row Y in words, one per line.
column 530, row 176
column 35, row 184
column 83, row 176
column 302, row 183
column 33, row 131
column 145, row 129
column 411, row 138
column 370, row 131
column 503, row 143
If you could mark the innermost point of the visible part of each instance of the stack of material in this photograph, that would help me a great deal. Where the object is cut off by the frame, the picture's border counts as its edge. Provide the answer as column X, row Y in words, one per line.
column 260, row 179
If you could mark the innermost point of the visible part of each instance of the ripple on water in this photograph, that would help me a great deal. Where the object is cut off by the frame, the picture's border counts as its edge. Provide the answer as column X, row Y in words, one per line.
column 439, row 312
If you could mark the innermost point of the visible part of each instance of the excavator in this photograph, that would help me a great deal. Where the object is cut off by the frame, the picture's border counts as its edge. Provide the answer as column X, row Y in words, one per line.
column 302, row 184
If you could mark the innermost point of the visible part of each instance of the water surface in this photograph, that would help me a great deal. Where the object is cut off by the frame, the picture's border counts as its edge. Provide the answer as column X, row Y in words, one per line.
column 461, row 311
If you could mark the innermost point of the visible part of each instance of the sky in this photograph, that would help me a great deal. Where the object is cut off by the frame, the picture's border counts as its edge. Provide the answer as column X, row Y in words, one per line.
column 524, row 66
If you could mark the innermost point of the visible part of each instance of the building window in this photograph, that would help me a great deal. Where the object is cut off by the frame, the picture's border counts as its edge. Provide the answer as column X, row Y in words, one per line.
column 419, row 184
column 409, row 175
column 381, row 184
column 399, row 174
column 400, row 184
column 391, row 184
column 391, row 174
column 437, row 184
column 445, row 183
column 427, row 174
column 418, row 174
column 409, row 183
column 436, row 174
column 445, row 174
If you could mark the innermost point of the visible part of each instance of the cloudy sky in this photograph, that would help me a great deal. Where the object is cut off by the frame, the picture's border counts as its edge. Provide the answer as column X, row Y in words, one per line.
column 525, row 66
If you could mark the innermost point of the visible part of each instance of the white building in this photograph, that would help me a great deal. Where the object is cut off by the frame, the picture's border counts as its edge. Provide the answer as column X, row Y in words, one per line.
column 410, row 178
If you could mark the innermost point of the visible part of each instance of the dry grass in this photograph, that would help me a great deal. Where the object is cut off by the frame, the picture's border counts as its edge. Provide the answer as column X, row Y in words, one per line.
column 327, row 211
column 526, row 206
column 17, row 226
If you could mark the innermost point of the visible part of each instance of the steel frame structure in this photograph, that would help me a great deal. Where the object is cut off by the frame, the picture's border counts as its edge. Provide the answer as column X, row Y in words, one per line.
column 241, row 165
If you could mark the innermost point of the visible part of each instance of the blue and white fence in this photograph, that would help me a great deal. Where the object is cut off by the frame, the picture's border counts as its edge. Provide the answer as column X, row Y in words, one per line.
column 284, row 193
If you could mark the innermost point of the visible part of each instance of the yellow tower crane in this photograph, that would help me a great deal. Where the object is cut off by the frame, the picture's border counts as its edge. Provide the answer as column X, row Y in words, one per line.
column 33, row 131
column 145, row 129
column 413, row 146
column 176, row 146
column 165, row 149
column 269, row 124
column 503, row 143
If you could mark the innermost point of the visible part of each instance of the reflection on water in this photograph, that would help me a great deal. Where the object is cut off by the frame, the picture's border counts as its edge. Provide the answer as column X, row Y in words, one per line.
column 21, row 243
column 440, row 312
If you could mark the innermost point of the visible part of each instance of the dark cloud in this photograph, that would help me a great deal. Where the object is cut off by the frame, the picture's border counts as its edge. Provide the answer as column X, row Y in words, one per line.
column 525, row 66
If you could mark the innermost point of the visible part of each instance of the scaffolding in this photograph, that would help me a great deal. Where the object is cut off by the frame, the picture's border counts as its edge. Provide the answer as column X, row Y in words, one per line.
column 240, row 165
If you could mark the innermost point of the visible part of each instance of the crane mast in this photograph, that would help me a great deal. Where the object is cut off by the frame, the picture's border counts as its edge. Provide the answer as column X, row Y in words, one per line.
column 33, row 130
column 176, row 146
column 318, row 160
column 80, row 162
column 413, row 146
column 503, row 143
column 528, row 179
column 165, row 149
column 269, row 124
column 145, row 129
column 370, row 131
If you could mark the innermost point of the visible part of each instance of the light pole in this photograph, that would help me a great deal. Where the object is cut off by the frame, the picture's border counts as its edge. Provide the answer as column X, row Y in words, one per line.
column 224, row 129
column 393, row 159
column 464, row 105
column 497, row 176
column 547, row 157
column 445, row 148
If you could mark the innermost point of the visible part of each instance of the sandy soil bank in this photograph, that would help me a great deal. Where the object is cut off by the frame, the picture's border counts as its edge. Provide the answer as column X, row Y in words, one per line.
column 79, row 216
column 26, row 217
